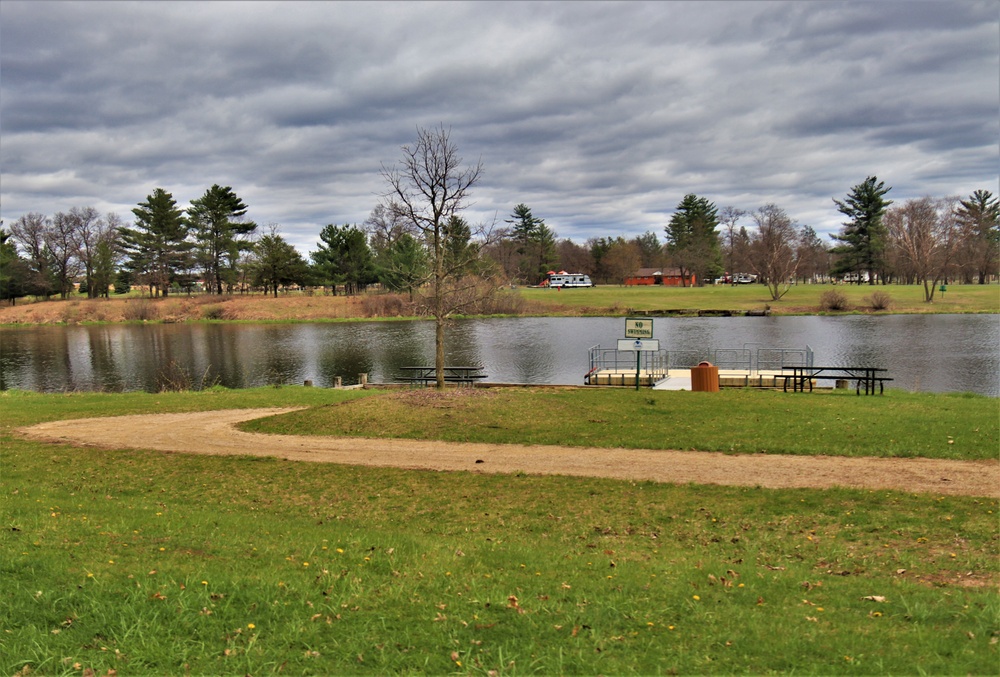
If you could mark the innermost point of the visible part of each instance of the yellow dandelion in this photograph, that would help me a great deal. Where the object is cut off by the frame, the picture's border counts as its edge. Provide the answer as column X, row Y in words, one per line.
column 204, row 582
column 340, row 550
column 251, row 626
column 305, row 564
column 695, row 597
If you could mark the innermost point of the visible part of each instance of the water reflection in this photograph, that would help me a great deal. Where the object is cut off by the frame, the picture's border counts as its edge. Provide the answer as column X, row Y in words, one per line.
column 922, row 352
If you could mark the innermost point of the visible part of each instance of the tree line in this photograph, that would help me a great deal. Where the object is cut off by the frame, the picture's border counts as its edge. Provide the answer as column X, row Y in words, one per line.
column 212, row 246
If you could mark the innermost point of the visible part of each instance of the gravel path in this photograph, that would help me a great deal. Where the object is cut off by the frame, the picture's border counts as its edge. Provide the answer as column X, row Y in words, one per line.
column 214, row 432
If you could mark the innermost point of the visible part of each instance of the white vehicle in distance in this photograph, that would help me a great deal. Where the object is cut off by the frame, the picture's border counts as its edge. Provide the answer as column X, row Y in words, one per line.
column 570, row 280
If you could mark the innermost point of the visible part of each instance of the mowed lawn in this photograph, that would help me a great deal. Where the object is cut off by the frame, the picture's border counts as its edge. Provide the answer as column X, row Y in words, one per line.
column 800, row 299
column 149, row 563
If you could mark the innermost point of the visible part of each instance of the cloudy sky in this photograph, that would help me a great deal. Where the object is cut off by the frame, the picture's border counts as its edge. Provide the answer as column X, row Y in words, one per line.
column 599, row 116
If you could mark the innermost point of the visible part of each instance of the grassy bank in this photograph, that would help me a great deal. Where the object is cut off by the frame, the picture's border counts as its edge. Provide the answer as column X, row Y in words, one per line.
column 901, row 424
column 603, row 300
column 165, row 563
column 800, row 300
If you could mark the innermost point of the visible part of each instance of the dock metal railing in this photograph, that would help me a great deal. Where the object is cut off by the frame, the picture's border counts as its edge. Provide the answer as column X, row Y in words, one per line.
column 659, row 362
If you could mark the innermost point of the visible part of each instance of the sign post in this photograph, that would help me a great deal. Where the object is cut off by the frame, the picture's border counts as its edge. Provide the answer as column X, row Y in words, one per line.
column 638, row 337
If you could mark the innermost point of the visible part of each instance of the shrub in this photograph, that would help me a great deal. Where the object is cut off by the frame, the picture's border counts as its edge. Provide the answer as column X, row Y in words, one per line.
column 879, row 300
column 175, row 378
column 833, row 300
column 386, row 305
column 140, row 309
column 213, row 312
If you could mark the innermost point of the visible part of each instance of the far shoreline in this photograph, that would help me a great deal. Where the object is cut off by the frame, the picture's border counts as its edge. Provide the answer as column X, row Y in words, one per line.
column 604, row 301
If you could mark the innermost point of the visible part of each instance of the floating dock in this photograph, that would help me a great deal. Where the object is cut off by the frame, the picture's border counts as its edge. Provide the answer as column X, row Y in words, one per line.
column 747, row 367
column 680, row 379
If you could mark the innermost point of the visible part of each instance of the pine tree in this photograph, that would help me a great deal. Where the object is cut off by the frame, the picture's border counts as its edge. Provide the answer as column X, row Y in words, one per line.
column 863, row 236
column 157, row 247
column 220, row 230
column 979, row 219
column 692, row 240
column 535, row 243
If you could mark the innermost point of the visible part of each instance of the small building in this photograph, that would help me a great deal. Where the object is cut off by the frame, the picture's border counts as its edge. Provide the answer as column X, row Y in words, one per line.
column 668, row 277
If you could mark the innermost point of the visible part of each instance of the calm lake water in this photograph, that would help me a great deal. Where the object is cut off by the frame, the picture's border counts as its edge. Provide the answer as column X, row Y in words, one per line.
column 939, row 353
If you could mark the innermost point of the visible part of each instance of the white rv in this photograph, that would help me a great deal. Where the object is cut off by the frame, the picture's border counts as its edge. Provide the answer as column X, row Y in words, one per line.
column 559, row 280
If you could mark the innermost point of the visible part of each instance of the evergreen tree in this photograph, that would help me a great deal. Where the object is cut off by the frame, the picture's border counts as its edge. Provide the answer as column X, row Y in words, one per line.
column 157, row 249
column 344, row 257
column 276, row 263
column 403, row 265
column 457, row 241
column 535, row 244
column 14, row 271
column 978, row 218
column 220, row 231
column 692, row 240
column 650, row 251
column 863, row 236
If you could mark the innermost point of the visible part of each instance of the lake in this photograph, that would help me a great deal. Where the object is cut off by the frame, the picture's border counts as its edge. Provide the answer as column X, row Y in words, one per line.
column 935, row 353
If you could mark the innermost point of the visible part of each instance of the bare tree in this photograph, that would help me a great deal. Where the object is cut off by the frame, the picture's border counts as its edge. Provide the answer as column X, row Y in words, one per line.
column 107, row 255
column 90, row 229
column 622, row 260
column 30, row 233
column 63, row 244
column 503, row 251
column 772, row 248
column 428, row 188
column 923, row 236
column 574, row 258
column 728, row 218
column 385, row 227
column 813, row 255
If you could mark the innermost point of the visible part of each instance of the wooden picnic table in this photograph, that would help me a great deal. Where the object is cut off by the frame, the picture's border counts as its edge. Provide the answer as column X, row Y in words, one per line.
column 457, row 374
column 865, row 376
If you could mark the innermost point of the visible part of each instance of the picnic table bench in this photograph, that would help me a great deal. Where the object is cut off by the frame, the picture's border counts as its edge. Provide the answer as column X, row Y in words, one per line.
column 427, row 375
column 867, row 377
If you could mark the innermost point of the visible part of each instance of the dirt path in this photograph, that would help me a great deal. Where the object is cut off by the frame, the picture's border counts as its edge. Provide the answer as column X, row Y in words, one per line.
column 214, row 432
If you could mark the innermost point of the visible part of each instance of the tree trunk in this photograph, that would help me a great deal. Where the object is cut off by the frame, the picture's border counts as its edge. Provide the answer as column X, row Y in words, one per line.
column 438, row 312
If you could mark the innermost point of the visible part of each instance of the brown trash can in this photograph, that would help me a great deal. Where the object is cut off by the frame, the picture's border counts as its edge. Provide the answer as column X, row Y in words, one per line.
column 705, row 378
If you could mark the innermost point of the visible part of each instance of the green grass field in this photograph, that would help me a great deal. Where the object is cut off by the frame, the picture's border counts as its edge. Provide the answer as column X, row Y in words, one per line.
column 801, row 299
column 151, row 563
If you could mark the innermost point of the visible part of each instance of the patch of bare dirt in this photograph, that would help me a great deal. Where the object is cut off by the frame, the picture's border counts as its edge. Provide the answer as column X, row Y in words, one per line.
column 215, row 433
